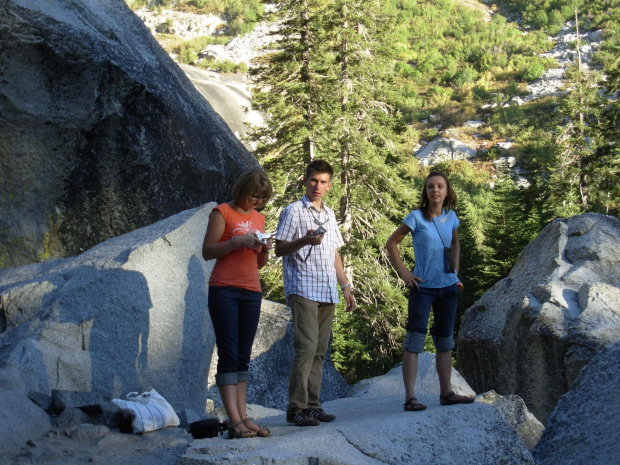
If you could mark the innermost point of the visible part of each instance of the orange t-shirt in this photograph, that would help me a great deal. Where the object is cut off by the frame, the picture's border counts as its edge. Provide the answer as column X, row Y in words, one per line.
column 238, row 268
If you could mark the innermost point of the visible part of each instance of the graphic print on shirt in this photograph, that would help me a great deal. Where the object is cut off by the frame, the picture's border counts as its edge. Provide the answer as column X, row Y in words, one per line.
column 245, row 227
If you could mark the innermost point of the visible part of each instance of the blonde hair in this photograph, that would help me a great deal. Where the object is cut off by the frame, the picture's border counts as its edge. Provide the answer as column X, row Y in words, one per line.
column 252, row 182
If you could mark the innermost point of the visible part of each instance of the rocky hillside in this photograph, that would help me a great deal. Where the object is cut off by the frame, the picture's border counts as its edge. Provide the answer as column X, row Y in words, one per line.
column 458, row 142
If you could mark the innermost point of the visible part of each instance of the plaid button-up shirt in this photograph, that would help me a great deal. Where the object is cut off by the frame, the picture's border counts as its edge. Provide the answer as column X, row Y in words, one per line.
column 315, row 278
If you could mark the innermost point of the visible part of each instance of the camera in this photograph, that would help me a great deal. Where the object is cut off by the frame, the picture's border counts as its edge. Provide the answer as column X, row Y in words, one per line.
column 264, row 236
column 448, row 260
column 320, row 231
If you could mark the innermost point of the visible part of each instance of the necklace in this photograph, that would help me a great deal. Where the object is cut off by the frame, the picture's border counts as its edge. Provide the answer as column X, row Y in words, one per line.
column 318, row 221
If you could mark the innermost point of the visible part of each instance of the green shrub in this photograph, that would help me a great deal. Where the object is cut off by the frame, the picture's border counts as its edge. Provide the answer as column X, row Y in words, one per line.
column 556, row 21
column 187, row 56
column 533, row 71
column 538, row 19
column 481, row 93
column 242, row 16
column 241, row 68
column 465, row 76
column 165, row 27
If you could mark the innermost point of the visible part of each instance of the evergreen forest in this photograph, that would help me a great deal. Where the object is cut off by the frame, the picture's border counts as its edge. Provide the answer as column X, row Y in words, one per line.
column 363, row 83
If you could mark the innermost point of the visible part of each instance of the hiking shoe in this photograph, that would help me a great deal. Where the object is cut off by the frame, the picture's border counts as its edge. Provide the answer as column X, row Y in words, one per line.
column 320, row 414
column 302, row 419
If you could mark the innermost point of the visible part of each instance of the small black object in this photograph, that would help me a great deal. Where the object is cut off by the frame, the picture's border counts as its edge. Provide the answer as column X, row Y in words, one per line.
column 209, row 428
column 448, row 257
column 449, row 260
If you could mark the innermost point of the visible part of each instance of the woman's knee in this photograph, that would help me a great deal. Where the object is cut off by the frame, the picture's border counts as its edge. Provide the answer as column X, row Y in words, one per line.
column 443, row 343
column 414, row 342
column 226, row 379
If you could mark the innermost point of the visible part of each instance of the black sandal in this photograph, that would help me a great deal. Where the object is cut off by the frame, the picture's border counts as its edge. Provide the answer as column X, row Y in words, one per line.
column 412, row 405
column 451, row 398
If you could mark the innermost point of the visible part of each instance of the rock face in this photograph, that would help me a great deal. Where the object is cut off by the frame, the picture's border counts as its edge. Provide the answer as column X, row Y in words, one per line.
column 179, row 23
column 533, row 332
column 100, row 131
column 514, row 411
column 127, row 314
column 583, row 426
column 229, row 96
column 442, row 149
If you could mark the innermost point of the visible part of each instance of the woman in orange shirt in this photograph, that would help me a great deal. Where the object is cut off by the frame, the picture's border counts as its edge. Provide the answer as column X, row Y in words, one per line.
column 235, row 294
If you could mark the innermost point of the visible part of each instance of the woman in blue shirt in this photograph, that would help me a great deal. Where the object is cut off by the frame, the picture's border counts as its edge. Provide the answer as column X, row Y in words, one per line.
column 433, row 283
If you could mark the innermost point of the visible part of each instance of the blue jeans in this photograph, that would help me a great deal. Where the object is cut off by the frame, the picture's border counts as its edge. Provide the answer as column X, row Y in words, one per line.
column 234, row 313
column 443, row 302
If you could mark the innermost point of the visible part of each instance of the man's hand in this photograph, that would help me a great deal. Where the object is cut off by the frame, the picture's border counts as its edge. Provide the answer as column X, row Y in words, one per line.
column 348, row 296
column 312, row 238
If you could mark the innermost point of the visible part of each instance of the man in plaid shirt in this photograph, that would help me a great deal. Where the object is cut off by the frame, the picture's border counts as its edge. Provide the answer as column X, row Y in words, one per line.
column 308, row 240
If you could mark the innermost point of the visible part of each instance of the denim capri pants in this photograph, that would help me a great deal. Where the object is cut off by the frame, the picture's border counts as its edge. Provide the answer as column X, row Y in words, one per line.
column 234, row 313
column 443, row 302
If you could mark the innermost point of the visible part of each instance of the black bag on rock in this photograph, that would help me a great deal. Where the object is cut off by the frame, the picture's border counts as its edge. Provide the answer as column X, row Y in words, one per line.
column 209, row 428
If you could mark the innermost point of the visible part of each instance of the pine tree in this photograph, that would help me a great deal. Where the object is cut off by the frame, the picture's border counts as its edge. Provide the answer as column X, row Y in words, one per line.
column 288, row 88
column 577, row 140
column 586, row 170
column 350, row 122
column 472, row 254
column 605, row 177
column 505, row 232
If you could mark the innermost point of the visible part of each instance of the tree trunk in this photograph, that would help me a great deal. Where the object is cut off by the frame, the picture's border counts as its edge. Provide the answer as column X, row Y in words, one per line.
column 345, row 175
column 582, row 176
column 305, row 78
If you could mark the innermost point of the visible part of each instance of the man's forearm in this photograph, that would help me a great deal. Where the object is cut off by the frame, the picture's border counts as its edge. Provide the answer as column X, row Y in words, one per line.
column 289, row 247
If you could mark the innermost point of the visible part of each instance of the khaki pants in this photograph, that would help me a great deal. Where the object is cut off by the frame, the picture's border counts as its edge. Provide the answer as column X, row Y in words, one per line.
column 312, row 322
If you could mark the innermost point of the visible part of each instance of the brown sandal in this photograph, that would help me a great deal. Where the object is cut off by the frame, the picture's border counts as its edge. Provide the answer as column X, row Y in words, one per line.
column 412, row 405
column 263, row 431
column 451, row 398
column 235, row 433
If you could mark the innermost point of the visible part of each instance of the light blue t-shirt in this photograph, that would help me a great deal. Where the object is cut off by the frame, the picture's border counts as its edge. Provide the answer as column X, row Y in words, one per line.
column 428, row 248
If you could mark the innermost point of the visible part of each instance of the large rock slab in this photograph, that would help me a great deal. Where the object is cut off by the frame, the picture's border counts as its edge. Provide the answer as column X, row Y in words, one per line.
column 100, row 131
column 372, row 428
column 583, row 428
column 533, row 332
column 127, row 314
column 442, row 149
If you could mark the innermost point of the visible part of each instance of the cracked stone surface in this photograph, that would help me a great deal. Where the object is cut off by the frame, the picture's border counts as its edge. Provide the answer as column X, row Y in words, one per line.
column 372, row 428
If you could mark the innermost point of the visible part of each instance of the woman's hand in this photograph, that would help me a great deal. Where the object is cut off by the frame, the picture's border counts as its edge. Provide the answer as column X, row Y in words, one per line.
column 410, row 279
column 248, row 240
column 267, row 244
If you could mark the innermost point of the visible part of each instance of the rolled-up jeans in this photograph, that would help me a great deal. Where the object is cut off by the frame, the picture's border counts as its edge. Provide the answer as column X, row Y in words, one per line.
column 312, row 323
column 234, row 313
column 443, row 302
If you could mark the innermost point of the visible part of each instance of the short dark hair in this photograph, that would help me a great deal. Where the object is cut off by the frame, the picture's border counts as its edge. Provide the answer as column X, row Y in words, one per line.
column 448, row 203
column 319, row 166
column 251, row 182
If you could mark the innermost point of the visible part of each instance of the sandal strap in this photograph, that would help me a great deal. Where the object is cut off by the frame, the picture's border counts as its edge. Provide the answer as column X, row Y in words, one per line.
column 248, row 433
column 448, row 396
